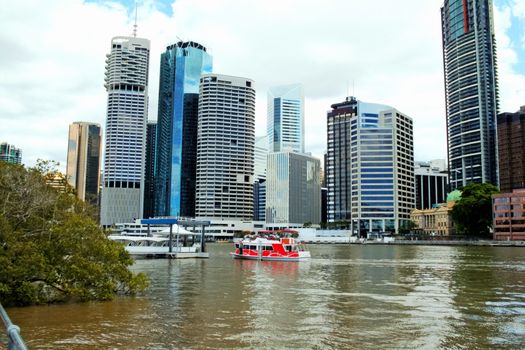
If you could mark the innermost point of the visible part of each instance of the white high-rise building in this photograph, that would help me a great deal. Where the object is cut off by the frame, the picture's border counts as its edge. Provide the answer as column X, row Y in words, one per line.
column 225, row 147
column 286, row 118
column 370, row 167
column 127, row 87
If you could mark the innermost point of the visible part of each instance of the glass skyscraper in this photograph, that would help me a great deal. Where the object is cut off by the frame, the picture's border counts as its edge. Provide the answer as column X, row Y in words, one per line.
column 83, row 160
column 286, row 118
column 149, row 175
column 126, row 80
column 181, row 68
column 471, row 89
column 293, row 188
column 370, row 167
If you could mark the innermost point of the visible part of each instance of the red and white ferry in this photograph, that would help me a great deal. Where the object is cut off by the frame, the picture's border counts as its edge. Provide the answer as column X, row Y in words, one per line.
column 268, row 246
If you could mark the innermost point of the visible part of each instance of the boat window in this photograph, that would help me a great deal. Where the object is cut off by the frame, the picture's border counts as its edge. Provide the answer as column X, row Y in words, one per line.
column 236, row 245
column 268, row 247
column 288, row 248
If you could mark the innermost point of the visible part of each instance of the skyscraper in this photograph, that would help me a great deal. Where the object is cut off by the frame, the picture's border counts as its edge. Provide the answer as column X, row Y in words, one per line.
column 149, row 174
column 293, row 189
column 286, row 118
column 182, row 65
column 9, row 153
column 83, row 160
column 471, row 89
column 127, row 86
column 225, row 147
column 431, row 185
column 259, row 188
column 511, row 147
column 370, row 166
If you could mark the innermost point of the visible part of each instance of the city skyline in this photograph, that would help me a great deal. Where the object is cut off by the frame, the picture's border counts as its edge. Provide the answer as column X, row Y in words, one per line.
column 44, row 87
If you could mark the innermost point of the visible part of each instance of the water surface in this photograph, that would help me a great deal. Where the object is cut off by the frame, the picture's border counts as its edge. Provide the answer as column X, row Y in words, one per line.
column 346, row 297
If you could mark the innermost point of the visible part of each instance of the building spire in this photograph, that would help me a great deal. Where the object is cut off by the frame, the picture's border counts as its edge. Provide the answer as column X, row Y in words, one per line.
column 135, row 25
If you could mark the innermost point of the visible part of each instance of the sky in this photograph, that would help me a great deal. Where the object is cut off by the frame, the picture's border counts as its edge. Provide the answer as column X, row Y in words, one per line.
column 52, row 60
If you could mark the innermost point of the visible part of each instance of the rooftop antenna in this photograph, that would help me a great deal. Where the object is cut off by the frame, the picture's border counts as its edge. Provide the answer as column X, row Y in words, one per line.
column 135, row 25
column 353, row 87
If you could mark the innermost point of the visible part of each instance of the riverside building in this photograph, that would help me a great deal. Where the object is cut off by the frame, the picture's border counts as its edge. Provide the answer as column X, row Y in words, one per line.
column 431, row 184
column 182, row 65
column 126, row 83
column 511, row 148
column 225, row 147
column 149, row 173
column 370, row 167
column 259, row 187
column 471, row 90
column 83, row 160
column 293, row 195
column 11, row 154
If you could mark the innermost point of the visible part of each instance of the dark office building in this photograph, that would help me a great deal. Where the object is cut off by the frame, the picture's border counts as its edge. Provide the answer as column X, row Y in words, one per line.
column 471, row 90
column 431, row 189
column 149, row 175
column 511, row 149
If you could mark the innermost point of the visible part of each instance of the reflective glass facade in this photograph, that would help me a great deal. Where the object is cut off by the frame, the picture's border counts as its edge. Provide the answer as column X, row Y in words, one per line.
column 181, row 68
column 370, row 166
column 9, row 153
column 286, row 118
column 83, row 160
column 469, row 55
column 149, row 175
column 293, row 188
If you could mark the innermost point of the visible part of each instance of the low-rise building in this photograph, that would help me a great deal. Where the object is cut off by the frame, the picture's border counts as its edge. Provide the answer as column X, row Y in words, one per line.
column 509, row 215
column 437, row 221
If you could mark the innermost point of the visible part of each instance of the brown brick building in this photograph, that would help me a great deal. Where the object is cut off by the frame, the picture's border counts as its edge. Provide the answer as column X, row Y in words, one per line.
column 511, row 150
column 509, row 215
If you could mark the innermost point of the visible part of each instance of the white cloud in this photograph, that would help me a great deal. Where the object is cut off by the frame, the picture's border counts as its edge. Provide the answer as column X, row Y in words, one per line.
column 52, row 62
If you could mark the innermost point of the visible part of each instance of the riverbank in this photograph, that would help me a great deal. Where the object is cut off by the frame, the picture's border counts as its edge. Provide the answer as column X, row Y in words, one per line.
column 481, row 243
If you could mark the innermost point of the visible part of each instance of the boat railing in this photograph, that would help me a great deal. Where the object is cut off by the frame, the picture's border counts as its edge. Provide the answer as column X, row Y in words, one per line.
column 15, row 341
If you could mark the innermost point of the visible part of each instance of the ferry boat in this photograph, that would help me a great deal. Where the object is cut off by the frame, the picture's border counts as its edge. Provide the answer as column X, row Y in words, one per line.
column 270, row 247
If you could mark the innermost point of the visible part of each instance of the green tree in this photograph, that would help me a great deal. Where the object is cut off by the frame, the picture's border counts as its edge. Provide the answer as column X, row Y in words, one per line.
column 472, row 214
column 51, row 248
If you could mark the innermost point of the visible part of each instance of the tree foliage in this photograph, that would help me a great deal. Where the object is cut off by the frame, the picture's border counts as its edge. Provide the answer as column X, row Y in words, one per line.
column 472, row 214
column 51, row 248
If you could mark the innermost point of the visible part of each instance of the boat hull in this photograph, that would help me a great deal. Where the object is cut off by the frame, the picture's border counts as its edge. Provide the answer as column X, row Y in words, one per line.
column 302, row 257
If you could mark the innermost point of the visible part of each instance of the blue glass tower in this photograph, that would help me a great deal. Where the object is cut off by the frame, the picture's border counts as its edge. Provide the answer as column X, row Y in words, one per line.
column 181, row 67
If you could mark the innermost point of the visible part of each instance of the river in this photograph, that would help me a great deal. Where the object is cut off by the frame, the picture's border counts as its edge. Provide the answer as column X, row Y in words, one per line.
column 346, row 297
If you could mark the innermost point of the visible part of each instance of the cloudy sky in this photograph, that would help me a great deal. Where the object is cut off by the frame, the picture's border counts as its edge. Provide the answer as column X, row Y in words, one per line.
column 383, row 51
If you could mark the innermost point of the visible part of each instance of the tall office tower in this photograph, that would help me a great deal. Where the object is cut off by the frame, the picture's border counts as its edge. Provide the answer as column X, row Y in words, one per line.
column 431, row 184
column 225, row 147
column 286, row 118
column 127, row 87
column 259, row 187
column 83, row 160
column 11, row 154
column 149, row 175
column 181, row 67
column 293, row 193
column 511, row 148
column 370, row 166
column 471, row 90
